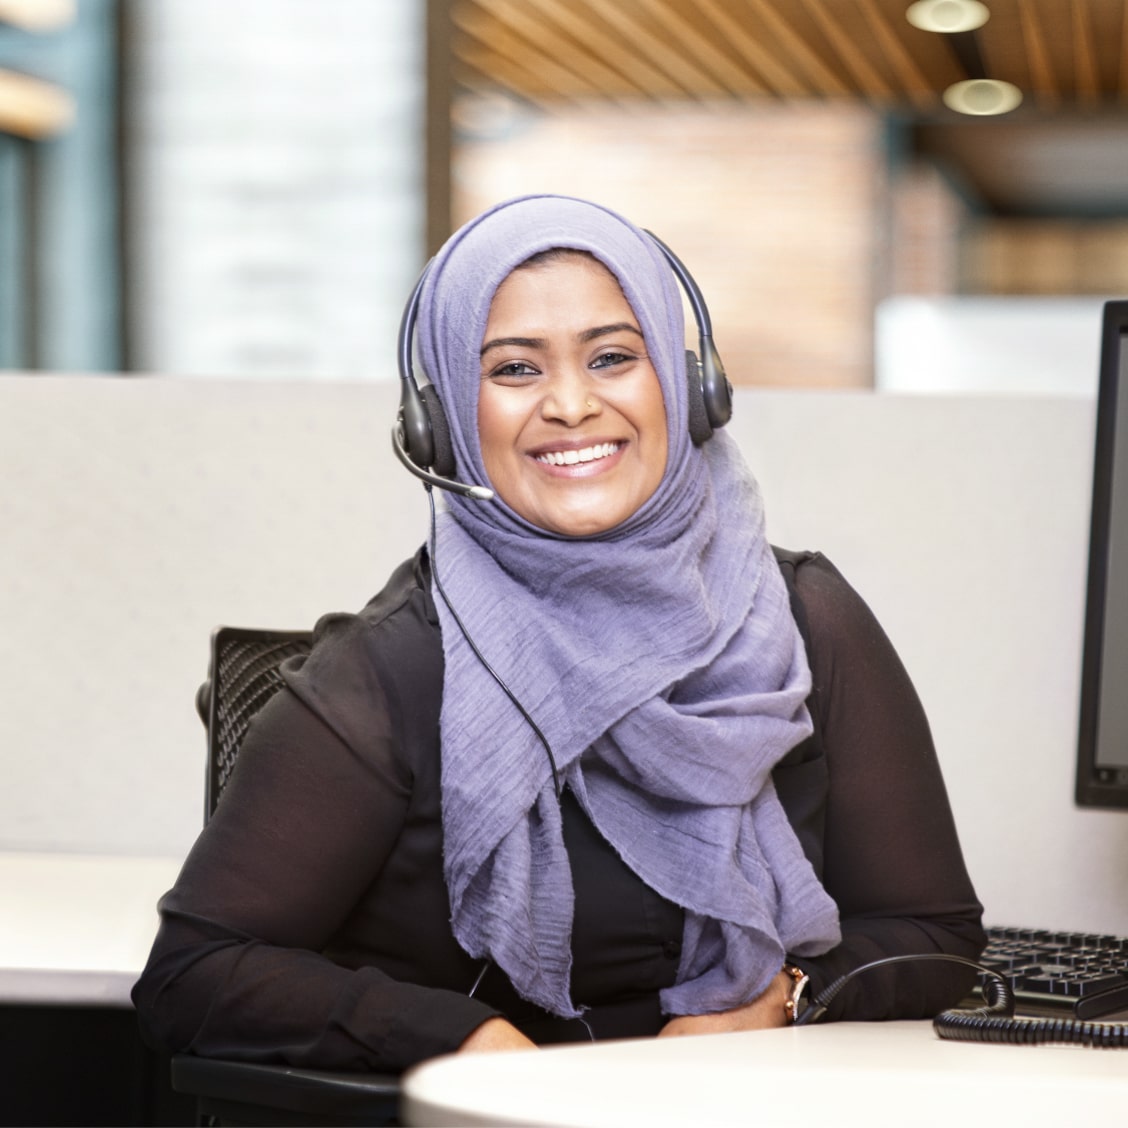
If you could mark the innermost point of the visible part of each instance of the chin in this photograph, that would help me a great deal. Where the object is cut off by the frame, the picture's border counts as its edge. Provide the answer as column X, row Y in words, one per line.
column 582, row 525
column 587, row 519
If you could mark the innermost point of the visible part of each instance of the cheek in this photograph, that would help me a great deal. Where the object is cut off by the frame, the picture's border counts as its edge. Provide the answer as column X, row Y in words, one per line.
column 499, row 424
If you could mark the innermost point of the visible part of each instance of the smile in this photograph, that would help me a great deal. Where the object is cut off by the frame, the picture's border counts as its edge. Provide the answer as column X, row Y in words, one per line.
column 574, row 457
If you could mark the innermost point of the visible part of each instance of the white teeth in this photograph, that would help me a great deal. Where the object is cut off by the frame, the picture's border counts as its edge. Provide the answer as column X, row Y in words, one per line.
column 572, row 457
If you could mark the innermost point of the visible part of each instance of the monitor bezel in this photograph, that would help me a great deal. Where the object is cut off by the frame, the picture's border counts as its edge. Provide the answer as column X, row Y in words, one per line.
column 1091, row 789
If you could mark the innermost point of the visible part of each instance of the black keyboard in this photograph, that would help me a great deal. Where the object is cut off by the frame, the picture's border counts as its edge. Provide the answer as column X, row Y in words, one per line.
column 1070, row 974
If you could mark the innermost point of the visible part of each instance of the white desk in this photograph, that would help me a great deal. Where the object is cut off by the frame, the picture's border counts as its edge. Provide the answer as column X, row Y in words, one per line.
column 841, row 1074
column 75, row 928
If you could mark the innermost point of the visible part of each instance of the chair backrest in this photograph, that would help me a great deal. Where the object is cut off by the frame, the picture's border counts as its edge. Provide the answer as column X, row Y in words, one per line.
column 242, row 677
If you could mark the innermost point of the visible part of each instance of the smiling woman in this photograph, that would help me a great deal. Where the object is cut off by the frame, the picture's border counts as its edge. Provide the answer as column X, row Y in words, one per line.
column 570, row 413
column 598, row 762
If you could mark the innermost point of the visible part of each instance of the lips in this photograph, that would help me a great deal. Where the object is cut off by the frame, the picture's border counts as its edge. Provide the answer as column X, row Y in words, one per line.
column 575, row 457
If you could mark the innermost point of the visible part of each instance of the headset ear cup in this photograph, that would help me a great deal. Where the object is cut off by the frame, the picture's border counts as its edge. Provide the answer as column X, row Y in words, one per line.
column 716, row 391
column 443, row 463
column 700, row 429
column 718, row 404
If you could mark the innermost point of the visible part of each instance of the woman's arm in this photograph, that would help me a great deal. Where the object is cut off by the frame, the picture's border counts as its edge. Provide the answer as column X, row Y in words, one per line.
column 892, row 860
column 766, row 1011
column 304, row 827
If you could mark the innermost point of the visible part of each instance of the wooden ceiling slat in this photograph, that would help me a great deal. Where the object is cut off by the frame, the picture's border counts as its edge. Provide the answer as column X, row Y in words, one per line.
column 1001, row 45
column 669, row 50
column 1041, row 70
column 869, row 81
column 774, row 74
column 511, row 60
column 1087, row 82
column 822, row 77
column 734, row 78
column 916, row 85
column 526, row 41
column 516, row 74
column 619, row 56
column 678, row 64
column 1122, row 65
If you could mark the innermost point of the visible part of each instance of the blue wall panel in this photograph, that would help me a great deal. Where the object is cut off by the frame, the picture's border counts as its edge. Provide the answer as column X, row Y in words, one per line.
column 60, row 255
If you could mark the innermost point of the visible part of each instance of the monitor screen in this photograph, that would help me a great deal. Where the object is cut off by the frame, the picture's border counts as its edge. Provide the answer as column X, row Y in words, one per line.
column 1102, row 755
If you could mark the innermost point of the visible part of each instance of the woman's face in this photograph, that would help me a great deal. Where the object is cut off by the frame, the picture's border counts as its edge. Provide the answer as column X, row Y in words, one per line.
column 570, row 412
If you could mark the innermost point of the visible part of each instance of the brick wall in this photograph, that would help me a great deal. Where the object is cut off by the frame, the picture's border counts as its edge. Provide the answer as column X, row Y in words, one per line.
column 1031, row 256
column 777, row 211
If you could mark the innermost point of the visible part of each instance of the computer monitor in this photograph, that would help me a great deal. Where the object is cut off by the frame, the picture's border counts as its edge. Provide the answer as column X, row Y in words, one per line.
column 1102, row 751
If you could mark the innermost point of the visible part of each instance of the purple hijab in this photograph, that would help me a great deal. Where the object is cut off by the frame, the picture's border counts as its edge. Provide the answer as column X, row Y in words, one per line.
column 660, row 659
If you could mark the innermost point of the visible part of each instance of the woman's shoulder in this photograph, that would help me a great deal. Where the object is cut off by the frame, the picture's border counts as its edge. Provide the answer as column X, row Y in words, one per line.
column 402, row 609
column 408, row 588
column 834, row 617
column 810, row 577
column 806, row 561
column 827, row 606
column 810, row 571
column 366, row 660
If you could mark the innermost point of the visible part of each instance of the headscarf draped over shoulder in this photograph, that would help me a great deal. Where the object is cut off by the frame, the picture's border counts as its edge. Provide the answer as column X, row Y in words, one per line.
column 660, row 660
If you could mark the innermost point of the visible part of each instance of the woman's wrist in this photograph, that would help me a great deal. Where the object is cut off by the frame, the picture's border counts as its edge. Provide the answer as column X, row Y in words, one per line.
column 495, row 1034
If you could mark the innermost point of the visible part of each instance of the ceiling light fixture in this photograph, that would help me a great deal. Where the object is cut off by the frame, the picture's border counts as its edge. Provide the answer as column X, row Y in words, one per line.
column 948, row 16
column 982, row 96
column 958, row 20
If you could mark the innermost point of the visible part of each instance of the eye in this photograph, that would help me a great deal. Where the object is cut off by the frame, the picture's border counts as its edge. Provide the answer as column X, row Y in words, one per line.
column 613, row 358
column 512, row 372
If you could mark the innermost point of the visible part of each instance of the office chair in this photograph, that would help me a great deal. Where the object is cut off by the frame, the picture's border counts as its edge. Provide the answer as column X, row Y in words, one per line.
column 242, row 676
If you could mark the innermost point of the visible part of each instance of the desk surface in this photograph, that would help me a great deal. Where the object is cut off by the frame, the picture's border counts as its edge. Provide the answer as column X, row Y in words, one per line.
column 843, row 1074
column 77, row 928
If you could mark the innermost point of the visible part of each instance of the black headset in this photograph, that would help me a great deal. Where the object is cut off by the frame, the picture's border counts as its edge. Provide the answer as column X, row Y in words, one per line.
column 421, row 436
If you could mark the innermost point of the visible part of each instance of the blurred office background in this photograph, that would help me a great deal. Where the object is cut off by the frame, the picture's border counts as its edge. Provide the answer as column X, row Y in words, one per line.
column 240, row 194
column 209, row 188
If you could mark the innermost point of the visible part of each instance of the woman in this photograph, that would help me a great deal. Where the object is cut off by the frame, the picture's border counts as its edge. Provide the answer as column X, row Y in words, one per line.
column 576, row 771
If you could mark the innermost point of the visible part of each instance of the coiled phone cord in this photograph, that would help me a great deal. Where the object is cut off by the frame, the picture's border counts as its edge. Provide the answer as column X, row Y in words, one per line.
column 994, row 1022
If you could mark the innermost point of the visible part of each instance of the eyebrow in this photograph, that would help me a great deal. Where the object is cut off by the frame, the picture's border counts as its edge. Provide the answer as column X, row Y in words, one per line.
column 542, row 343
column 604, row 330
column 520, row 342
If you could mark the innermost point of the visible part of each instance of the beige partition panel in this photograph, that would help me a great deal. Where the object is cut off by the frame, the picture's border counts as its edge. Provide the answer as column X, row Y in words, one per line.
column 139, row 513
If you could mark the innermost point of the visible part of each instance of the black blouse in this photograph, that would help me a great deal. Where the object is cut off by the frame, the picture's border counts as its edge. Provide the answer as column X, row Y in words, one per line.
column 310, row 922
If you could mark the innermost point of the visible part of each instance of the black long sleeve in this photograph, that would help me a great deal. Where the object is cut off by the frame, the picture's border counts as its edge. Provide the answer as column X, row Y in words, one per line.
column 891, row 855
column 262, row 953
column 310, row 922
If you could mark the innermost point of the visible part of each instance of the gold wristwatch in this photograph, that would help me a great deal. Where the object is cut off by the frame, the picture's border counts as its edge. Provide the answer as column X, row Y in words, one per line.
column 795, row 1003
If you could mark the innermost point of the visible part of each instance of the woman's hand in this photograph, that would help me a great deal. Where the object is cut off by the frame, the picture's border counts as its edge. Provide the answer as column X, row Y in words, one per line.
column 495, row 1034
column 765, row 1011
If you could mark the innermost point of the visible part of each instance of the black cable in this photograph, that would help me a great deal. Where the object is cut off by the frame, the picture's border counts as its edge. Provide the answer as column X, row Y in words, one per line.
column 995, row 1022
column 1001, row 1001
column 558, row 787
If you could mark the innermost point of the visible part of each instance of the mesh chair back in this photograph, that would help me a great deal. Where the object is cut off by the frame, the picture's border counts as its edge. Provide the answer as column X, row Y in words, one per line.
column 243, row 676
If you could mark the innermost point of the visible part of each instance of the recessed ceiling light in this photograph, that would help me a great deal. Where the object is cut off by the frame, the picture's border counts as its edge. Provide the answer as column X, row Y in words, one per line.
column 982, row 96
column 947, row 15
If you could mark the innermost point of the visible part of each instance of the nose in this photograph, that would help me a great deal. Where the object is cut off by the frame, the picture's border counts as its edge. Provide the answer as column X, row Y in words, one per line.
column 570, row 398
